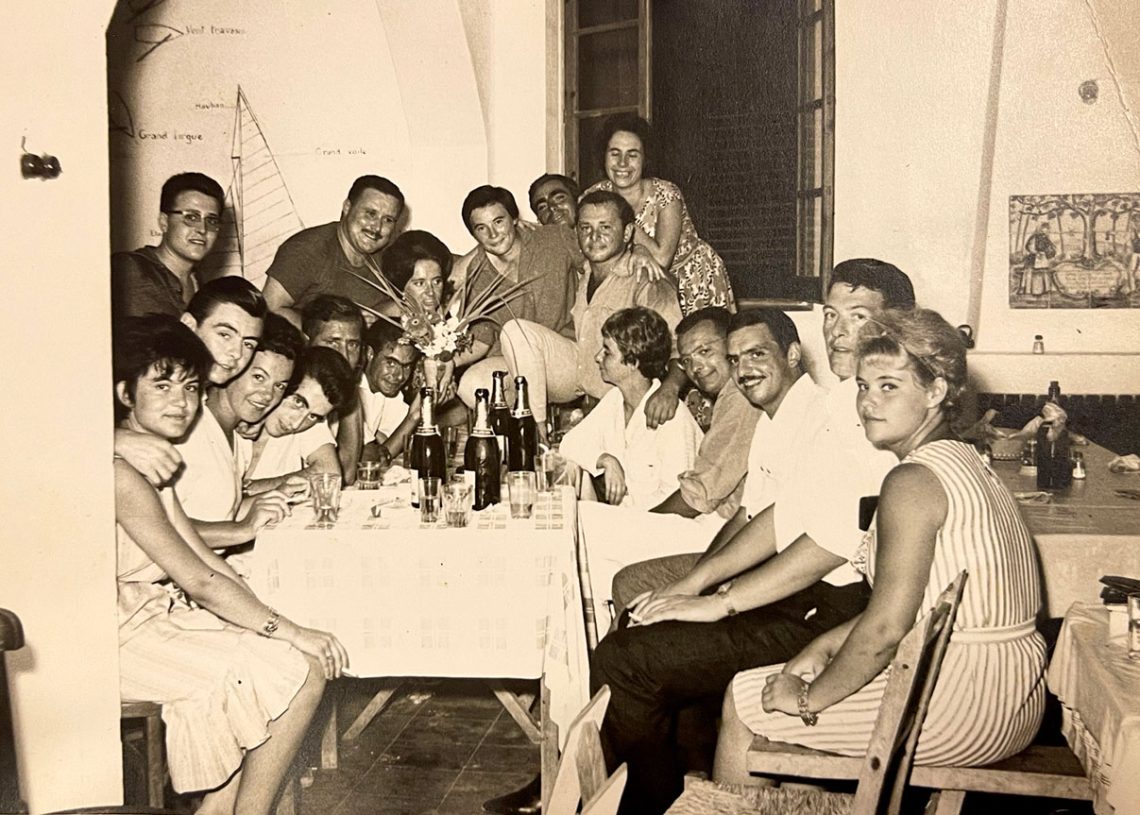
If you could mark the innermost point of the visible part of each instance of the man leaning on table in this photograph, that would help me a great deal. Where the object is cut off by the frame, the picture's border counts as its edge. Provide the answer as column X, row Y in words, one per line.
column 780, row 573
column 764, row 348
column 707, row 495
column 295, row 441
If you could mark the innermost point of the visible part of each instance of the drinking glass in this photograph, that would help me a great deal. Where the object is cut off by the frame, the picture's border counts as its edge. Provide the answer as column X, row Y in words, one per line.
column 457, row 503
column 430, row 495
column 520, row 485
column 549, row 467
column 368, row 475
column 326, row 496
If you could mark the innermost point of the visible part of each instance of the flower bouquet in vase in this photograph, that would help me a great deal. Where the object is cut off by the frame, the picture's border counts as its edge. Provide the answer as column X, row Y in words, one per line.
column 442, row 333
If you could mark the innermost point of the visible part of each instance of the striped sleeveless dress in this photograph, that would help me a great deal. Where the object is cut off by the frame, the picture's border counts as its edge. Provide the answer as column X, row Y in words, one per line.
column 990, row 695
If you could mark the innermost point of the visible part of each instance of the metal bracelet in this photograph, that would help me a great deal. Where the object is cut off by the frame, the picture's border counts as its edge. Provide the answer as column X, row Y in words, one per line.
column 270, row 626
column 809, row 718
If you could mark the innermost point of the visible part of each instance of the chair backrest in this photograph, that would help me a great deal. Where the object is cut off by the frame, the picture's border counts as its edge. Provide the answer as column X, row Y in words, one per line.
column 11, row 639
column 914, row 672
column 581, row 775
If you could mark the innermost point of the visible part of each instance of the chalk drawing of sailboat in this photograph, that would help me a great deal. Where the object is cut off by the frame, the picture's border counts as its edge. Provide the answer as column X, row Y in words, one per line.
column 259, row 213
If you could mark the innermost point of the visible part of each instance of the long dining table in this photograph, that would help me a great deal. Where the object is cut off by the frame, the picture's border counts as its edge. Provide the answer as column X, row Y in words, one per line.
column 497, row 599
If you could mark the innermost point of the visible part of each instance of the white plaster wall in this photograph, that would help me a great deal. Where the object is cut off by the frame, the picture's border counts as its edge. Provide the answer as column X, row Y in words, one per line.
column 438, row 95
column 57, row 558
column 912, row 86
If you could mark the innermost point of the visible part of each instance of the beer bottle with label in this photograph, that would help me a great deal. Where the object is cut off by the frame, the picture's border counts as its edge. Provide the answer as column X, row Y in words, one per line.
column 427, row 457
column 522, row 439
column 481, row 456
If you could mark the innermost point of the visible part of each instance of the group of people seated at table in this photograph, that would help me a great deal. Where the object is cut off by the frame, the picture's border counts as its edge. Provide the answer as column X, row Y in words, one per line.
column 770, row 552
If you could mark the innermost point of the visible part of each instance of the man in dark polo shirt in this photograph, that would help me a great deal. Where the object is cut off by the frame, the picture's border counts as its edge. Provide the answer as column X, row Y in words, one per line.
column 323, row 259
column 160, row 279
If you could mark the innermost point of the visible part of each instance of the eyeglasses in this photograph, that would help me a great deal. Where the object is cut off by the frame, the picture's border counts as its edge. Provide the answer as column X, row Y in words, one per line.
column 192, row 217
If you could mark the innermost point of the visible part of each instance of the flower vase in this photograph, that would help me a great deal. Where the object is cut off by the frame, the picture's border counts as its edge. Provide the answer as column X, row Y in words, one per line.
column 433, row 370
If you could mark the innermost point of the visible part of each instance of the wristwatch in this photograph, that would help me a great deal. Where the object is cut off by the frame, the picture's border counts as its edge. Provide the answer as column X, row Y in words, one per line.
column 809, row 718
column 722, row 593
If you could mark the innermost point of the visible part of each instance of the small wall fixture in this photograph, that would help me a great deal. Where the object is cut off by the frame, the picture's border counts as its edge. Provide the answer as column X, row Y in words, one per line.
column 41, row 167
column 1088, row 91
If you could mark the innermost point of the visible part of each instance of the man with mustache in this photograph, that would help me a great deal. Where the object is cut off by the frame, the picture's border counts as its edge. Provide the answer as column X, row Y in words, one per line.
column 776, row 576
column 325, row 259
column 161, row 279
column 210, row 484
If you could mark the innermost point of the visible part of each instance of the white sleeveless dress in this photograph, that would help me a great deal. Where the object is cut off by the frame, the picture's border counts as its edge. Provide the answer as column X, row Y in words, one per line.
column 219, row 685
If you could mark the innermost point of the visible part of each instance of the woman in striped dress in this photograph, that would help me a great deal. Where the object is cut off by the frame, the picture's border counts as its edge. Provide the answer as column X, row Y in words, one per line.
column 941, row 510
column 235, row 704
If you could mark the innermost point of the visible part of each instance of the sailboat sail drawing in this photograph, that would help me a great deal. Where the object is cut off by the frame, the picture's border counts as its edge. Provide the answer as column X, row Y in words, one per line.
column 259, row 212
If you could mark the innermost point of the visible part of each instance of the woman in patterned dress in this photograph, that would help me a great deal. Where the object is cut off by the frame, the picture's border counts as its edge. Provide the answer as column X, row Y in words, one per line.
column 941, row 510
column 238, row 683
column 664, row 226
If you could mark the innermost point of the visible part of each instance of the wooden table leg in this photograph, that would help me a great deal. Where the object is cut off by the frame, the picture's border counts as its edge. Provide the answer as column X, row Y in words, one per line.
column 372, row 710
column 329, row 755
column 548, row 747
column 516, row 710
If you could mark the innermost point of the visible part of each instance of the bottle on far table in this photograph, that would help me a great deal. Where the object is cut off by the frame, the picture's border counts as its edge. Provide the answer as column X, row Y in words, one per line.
column 1054, row 465
column 427, row 457
column 522, row 440
column 500, row 412
column 481, row 457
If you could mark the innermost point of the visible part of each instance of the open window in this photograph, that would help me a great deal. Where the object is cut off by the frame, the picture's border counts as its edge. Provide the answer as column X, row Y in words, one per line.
column 741, row 97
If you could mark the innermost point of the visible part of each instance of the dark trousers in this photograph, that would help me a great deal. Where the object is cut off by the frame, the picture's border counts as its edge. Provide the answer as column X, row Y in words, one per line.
column 654, row 670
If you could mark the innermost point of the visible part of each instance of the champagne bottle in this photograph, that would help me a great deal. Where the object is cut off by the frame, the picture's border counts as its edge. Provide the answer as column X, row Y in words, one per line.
column 427, row 457
column 500, row 416
column 522, row 440
column 481, row 457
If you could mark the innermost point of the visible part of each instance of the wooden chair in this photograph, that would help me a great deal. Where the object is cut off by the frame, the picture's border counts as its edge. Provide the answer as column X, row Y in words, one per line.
column 1043, row 771
column 152, row 736
column 883, row 772
column 581, row 775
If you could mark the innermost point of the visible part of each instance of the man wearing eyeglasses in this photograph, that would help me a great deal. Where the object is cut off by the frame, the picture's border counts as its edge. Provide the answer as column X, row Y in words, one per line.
column 160, row 279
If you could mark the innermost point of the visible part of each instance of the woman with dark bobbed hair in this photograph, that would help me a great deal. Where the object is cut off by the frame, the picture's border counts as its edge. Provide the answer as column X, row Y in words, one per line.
column 636, row 465
column 941, row 510
column 664, row 226
column 237, row 681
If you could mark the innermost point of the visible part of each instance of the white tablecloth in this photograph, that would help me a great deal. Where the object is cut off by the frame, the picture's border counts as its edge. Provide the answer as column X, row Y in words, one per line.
column 1099, row 688
column 499, row 598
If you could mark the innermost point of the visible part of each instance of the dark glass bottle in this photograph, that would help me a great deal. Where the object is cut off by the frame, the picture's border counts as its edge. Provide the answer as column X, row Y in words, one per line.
column 427, row 457
column 522, row 439
column 500, row 416
column 1054, row 466
column 1054, row 392
column 481, row 457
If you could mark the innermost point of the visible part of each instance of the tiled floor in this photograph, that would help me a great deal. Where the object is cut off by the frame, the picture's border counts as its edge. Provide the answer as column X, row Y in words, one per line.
column 442, row 746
